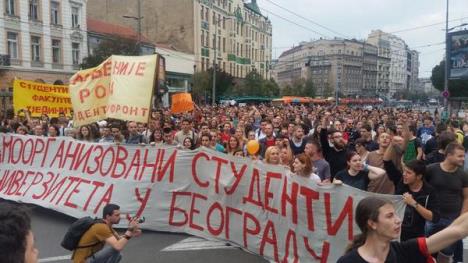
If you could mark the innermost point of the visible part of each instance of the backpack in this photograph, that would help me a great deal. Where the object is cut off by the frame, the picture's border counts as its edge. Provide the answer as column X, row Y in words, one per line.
column 76, row 231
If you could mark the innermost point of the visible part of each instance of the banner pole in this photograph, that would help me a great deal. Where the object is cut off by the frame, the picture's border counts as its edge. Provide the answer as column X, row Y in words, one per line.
column 155, row 83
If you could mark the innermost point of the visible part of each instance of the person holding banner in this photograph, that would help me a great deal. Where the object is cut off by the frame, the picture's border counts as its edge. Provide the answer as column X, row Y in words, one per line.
column 358, row 174
column 302, row 166
column 85, row 134
column 272, row 155
column 380, row 225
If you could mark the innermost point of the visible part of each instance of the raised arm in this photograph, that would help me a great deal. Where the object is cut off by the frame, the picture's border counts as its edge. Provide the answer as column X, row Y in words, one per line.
column 375, row 172
column 456, row 231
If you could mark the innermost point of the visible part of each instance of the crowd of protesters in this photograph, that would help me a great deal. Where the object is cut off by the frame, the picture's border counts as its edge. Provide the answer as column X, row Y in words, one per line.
column 389, row 151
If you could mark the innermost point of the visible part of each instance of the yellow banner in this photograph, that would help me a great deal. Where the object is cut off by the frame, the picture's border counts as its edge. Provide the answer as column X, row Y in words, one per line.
column 120, row 88
column 40, row 98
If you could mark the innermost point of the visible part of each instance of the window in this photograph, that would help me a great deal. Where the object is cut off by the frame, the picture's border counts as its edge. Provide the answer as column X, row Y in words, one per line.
column 207, row 11
column 35, row 49
column 203, row 38
column 224, row 44
column 202, row 12
column 56, row 53
column 10, row 7
column 75, row 17
column 54, row 13
column 34, row 9
column 12, row 39
column 76, row 53
column 214, row 18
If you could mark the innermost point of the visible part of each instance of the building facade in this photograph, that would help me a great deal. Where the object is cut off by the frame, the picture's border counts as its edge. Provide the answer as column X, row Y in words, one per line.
column 179, row 71
column 425, row 86
column 234, row 34
column 383, row 62
column 404, row 63
column 99, row 31
column 44, row 40
column 346, row 66
column 414, row 70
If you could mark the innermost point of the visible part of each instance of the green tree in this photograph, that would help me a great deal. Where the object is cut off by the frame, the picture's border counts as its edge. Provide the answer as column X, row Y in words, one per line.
column 201, row 86
column 224, row 82
column 298, row 86
column 255, row 85
column 329, row 91
column 309, row 88
column 114, row 45
column 271, row 87
column 457, row 88
column 287, row 90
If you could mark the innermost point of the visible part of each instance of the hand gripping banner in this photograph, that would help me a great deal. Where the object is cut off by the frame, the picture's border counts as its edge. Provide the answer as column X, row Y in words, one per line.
column 202, row 192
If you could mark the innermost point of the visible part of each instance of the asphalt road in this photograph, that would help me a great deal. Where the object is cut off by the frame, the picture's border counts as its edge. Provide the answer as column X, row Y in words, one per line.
column 49, row 227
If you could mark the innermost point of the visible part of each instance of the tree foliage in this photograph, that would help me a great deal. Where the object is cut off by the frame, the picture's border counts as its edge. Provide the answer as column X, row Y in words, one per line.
column 203, row 85
column 412, row 95
column 457, row 88
column 329, row 91
column 113, row 45
column 255, row 85
column 300, row 87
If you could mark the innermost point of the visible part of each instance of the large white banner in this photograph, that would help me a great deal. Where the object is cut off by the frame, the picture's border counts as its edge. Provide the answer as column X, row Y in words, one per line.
column 202, row 192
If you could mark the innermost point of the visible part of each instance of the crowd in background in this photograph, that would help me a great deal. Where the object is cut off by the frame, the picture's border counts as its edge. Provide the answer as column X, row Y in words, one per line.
column 390, row 151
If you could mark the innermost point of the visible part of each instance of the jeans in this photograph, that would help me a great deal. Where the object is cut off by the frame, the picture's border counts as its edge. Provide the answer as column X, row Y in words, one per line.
column 454, row 249
column 105, row 255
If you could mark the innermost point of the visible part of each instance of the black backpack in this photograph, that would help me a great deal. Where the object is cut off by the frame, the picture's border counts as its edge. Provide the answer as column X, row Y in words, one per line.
column 76, row 231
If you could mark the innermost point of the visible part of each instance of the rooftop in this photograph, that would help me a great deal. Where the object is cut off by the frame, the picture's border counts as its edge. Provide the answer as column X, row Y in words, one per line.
column 104, row 28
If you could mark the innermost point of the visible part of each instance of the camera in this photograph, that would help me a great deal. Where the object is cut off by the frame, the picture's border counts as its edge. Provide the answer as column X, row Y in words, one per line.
column 141, row 220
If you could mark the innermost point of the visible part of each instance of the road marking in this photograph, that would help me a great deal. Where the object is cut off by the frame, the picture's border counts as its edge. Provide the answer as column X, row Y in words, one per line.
column 197, row 243
column 54, row 259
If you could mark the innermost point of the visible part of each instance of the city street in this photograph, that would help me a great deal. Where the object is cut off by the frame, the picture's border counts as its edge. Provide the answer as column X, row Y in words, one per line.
column 50, row 226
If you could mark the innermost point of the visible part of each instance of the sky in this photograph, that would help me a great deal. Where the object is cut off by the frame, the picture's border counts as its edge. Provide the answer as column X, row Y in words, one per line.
column 356, row 19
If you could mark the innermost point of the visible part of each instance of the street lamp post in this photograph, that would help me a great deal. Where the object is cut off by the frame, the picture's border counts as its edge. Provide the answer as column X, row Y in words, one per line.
column 138, row 19
column 446, row 58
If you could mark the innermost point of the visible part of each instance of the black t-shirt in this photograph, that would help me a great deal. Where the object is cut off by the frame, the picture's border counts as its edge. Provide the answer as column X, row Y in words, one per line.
column 431, row 146
column 448, row 188
column 413, row 223
column 336, row 158
column 371, row 146
column 360, row 180
column 434, row 157
column 400, row 252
